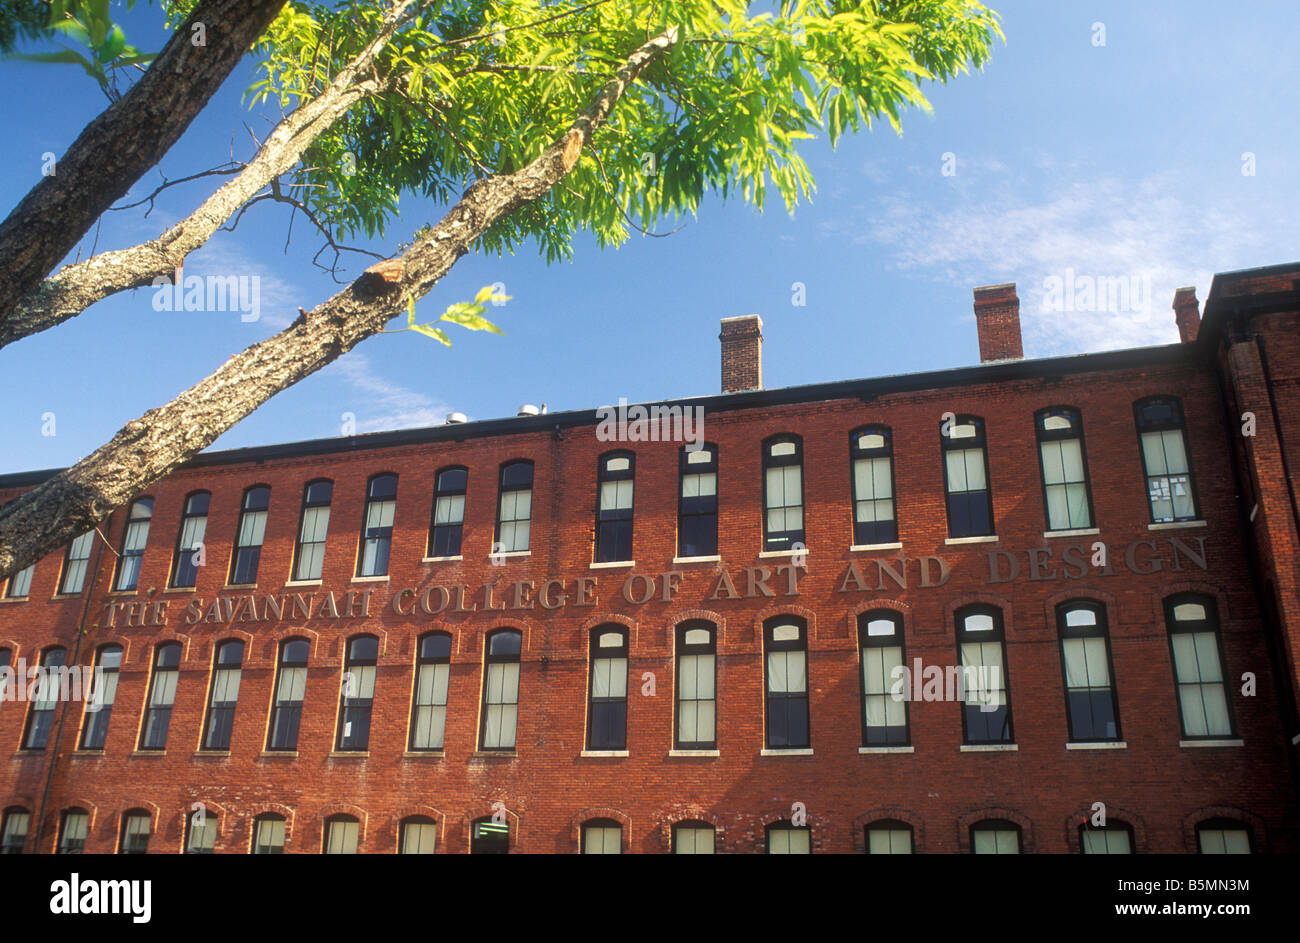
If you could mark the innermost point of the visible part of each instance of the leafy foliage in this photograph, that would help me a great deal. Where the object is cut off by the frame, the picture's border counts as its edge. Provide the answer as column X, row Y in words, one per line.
column 477, row 87
column 467, row 314
column 89, row 23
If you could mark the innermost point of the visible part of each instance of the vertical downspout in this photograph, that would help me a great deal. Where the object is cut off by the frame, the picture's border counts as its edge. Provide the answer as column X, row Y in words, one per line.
column 63, row 714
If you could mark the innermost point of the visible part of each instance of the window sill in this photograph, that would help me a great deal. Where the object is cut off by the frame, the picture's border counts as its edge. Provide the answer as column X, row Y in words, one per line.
column 152, row 754
column 612, row 564
column 422, row 754
column 239, row 586
column 716, row 558
column 771, row 554
column 348, row 755
column 1226, row 742
column 861, row 547
column 986, row 539
column 990, row 747
column 370, row 579
column 694, row 753
column 494, row 754
column 510, row 554
column 603, row 753
column 1079, row 532
column 180, row 589
column 211, row 754
column 302, row 583
column 81, row 752
column 1178, row 525
column 897, row 749
column 1098, row 745
column 287, row 754
column 442, row 559
column 7, row 599
column 792, row 751
column 65, row 596
column 123, row 592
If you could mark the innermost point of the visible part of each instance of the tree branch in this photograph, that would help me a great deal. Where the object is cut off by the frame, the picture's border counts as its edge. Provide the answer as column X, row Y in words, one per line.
column 146, row 449
column 78, row 286
column 120, row 145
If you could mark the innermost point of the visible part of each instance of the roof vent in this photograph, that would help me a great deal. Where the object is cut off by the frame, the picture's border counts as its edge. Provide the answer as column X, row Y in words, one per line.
column 528, row 409
column 455, row 418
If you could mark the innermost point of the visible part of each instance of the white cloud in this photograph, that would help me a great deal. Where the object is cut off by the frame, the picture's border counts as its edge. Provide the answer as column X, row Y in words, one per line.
column 1145, row 232
column 385, row 405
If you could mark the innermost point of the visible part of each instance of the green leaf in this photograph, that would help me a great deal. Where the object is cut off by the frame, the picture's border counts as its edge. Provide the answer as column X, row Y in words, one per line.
column 469, row 316
column 113, row 45
column 436, row 333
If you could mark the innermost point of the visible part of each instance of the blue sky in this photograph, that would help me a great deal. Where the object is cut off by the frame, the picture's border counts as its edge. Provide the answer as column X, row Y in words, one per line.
column 1122, row 160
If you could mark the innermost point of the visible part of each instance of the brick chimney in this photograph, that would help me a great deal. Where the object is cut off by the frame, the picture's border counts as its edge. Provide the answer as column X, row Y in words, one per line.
column 1187, row 313
column 742, row 353
column 997, row 317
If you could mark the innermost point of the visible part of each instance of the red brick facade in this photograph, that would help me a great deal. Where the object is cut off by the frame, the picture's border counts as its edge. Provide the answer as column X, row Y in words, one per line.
column 1157, row 782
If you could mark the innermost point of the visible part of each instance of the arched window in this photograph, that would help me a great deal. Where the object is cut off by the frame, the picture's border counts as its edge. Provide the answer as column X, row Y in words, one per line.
column 1171, row 487
column 783, row 524
column 448, row 512
column 616, row 478
column 966, row 476
column 785, row 838
column 13, row 834
column 1224, row 837
column 419, row 835
column 489, row 836
column 162, row 694
column 40, row 716
column 694, row 838
column 341, row 835
column 136, row 828
column 222, row 698
column 200, row 833
column 20, row 584
column 252, row 531
column 1197, row 652
column 602, row 837
column 607, row 712
column 432, row 673
column 74, row 826
column 995, row 837
column 514, row 507
column 785, row 649
column 501, row 690
column 1116, row 838
column 1091, row 703
column 75, row 560
column 1064, row 467
column 884, row 716
column 981, row 647
column 377, row 527
column 697, row 512
column 268, row 834
column 309, row 556
column 290, row 688
column 871, row 453
column 134, row 537
column 888, row 837
column 99, row 707
column 357, row 693
column 189, row 539
column 697, row 698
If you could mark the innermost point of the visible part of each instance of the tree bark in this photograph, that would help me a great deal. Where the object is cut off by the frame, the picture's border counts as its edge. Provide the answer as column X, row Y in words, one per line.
column 148, row 448
column 76, row 287
column 127, row 139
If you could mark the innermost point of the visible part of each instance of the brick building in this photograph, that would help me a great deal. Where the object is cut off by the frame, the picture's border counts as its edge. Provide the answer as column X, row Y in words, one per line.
column 632, row 632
